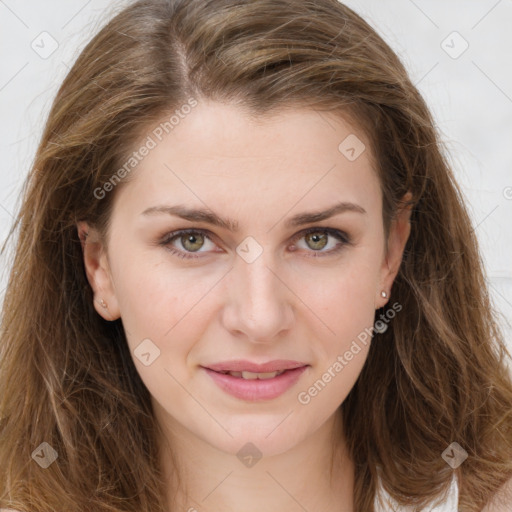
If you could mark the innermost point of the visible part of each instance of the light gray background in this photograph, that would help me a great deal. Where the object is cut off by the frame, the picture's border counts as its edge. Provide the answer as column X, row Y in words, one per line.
column 470, row 95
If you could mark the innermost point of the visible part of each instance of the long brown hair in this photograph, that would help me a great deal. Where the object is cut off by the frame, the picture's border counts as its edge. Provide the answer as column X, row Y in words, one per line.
column 437, row 375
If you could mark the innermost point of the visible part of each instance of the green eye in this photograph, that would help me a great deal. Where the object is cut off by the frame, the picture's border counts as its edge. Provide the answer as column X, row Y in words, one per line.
column 316, row 239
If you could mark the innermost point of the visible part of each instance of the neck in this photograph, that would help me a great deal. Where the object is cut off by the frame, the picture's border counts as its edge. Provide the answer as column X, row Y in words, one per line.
column 316, row 474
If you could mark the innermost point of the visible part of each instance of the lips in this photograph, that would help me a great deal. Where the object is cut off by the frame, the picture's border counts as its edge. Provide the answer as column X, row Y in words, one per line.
column 255, row 382
column 239, row 365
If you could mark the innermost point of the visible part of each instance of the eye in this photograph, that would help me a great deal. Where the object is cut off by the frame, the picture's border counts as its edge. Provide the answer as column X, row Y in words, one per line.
column 192, row 240
column 318, row 238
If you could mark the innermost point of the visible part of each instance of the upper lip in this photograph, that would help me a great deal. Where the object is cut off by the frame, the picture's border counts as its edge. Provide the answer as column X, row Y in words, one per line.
column 240, row 365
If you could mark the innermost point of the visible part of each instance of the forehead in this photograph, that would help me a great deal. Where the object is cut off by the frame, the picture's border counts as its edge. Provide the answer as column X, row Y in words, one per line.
column 226, row 130
column 219, row 155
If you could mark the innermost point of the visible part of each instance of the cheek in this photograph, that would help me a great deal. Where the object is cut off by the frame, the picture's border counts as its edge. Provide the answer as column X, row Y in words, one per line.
column 158, row 314
column 347, row 309
column 344, row 299
column 161, row 304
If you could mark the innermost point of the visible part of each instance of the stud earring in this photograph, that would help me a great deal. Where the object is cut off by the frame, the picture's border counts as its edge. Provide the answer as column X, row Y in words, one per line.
column 383, row 294
column 103, row 304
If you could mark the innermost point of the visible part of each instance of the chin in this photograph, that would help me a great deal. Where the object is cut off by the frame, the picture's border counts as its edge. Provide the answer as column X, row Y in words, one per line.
column 269, row 436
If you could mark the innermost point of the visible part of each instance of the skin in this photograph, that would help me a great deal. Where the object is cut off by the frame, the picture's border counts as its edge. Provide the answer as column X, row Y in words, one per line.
column 286, row 304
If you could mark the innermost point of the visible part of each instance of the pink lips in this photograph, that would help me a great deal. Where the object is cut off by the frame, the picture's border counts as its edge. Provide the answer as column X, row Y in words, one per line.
column 254, row 390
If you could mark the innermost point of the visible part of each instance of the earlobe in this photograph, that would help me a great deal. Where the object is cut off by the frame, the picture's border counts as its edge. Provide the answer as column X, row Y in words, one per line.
column 98, row 273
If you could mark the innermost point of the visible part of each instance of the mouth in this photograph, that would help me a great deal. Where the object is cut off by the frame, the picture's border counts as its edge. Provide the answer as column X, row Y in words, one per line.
column 250, row 385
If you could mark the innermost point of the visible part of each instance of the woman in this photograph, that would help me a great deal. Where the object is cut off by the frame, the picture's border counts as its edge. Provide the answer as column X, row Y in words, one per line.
column 245, row 279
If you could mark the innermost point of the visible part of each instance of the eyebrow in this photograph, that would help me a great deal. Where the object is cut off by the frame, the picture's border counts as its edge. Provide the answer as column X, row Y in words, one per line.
column 209, row 217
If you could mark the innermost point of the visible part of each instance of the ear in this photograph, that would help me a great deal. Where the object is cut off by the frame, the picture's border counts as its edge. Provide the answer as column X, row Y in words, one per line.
column 399, row 231
column 98, row 273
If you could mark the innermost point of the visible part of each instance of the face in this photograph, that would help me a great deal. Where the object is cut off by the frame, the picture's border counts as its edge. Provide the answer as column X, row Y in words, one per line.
column 268, row 284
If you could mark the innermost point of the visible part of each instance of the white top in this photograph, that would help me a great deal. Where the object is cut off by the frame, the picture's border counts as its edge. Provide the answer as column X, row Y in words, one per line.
column 449, row 505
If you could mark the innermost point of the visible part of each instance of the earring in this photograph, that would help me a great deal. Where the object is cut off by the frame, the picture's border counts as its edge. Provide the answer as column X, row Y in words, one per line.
column 103, row 304
column 380, row 326
column 383, row 294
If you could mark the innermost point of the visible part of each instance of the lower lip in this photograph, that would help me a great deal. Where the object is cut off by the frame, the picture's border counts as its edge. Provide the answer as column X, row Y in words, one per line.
column 256, row 389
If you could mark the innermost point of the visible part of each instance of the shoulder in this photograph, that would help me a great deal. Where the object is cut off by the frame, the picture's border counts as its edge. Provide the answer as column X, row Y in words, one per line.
column 502, row 501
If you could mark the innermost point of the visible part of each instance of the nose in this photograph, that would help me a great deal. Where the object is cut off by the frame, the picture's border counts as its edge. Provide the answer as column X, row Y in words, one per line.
column 259, row 305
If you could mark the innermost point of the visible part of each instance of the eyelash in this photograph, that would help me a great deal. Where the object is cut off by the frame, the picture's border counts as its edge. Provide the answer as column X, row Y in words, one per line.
column 340, row 235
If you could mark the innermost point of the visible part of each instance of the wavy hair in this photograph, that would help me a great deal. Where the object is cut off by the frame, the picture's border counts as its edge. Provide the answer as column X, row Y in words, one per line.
column 437, row 375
